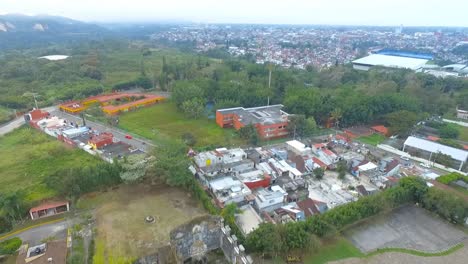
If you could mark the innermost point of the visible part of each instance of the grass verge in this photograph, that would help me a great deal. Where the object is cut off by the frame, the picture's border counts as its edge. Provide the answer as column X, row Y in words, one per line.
column 341, row 248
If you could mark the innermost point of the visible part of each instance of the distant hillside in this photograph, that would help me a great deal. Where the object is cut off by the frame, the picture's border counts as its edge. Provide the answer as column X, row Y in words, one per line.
column 20, row 31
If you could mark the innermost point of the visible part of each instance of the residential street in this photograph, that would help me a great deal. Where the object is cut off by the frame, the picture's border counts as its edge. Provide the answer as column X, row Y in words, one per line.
column 35, row 235
column 19, row 121
column 143, row 144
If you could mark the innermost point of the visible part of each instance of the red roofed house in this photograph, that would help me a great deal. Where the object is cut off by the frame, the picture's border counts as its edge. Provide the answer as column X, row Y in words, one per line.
column 34, row 116
column 269, row 121
column 319, row 162
column 380, row 129
column 312, row 207
column 49, row 209
column 101, row 140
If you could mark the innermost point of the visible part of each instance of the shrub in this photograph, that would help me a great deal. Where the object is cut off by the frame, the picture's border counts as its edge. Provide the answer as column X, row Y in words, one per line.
column 448, row 132
column 10, row 246
column 448, row 178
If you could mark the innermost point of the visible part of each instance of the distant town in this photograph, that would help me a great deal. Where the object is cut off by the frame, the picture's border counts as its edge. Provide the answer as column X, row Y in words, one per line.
column 320, row 47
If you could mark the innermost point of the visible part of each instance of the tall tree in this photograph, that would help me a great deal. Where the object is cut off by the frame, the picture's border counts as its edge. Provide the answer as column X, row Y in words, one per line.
column 401, row 122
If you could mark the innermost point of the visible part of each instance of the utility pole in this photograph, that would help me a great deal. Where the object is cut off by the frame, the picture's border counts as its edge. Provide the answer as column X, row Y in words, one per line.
column 35, row 101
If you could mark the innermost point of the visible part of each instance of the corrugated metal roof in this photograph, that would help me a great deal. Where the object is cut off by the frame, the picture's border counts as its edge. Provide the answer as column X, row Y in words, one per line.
column 391, row 61
column 430, row 146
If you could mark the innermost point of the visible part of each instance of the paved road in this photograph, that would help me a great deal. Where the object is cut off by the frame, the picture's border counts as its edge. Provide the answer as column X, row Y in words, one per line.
column 143, row 144
column 35, row 235
column 12, row 125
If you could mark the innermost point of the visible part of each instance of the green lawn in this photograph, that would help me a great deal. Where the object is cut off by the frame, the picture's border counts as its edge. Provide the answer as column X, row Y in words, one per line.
column 164, row 121
column 334, row 250
column 28, row 156
column 462, row 130
column 373, row 139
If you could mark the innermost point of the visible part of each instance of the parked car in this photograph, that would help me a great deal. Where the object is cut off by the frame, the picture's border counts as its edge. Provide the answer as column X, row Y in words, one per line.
column 403, row 157
column 424, row 165
column 128, row 136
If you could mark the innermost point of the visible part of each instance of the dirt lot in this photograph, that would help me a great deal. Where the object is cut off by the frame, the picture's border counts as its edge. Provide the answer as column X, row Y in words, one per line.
column 123, row 234
column 458, row 257
column 407, row 227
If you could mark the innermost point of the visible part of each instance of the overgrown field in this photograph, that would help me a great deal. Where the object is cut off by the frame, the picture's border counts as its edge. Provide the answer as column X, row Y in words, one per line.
column 122, row 233
column 165, row 121
column 28, row 156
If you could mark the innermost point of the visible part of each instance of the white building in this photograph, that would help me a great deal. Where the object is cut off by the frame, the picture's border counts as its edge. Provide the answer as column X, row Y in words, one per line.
column 269, row 200
column 229, row 190
column 388, row 61
column 433, row 148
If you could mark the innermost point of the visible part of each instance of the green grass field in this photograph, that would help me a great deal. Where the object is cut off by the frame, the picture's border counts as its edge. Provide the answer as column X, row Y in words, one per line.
column 373, row 139
column 163, row 121
column 334, row 250
column 28, row 156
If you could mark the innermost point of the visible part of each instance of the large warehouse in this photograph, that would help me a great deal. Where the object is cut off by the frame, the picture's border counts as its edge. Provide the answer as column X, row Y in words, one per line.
column 389, row 61
column 393, row 59
column 431, row 149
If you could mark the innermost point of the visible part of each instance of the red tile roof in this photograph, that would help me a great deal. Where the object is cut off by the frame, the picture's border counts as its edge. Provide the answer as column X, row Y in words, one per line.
column 319, row 162
column 49, row 205
column 433, row 138
column 329, row 152
column 381, row 129
column 308, row 206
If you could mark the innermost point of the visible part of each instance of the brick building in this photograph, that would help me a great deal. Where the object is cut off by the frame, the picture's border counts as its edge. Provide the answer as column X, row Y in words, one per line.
column 270, row 121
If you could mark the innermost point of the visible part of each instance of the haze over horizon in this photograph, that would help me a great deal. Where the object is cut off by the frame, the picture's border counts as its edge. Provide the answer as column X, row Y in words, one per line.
column 330, row 12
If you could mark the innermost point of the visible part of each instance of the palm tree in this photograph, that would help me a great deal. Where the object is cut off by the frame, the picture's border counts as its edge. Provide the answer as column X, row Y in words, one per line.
column 336, row 115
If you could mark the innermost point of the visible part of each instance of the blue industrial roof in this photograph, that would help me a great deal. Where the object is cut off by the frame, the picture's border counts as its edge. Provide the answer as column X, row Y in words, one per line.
column 402, row 53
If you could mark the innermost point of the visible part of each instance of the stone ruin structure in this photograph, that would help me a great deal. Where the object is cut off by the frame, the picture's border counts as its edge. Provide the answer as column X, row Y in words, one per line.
column 192, row 241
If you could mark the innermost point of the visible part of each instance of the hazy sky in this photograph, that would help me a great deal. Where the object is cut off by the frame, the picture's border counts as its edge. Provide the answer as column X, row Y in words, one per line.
column 344, row 12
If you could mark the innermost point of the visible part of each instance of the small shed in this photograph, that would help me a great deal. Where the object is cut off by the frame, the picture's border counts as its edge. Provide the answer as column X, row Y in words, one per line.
column 49, row 209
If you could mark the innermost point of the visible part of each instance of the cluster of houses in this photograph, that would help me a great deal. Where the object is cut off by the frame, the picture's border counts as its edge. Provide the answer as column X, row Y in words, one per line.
column 276, row 183
column 77, row 134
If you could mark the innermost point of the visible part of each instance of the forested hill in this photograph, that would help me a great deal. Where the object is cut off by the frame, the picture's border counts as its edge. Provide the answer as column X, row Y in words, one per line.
column 20, row 31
